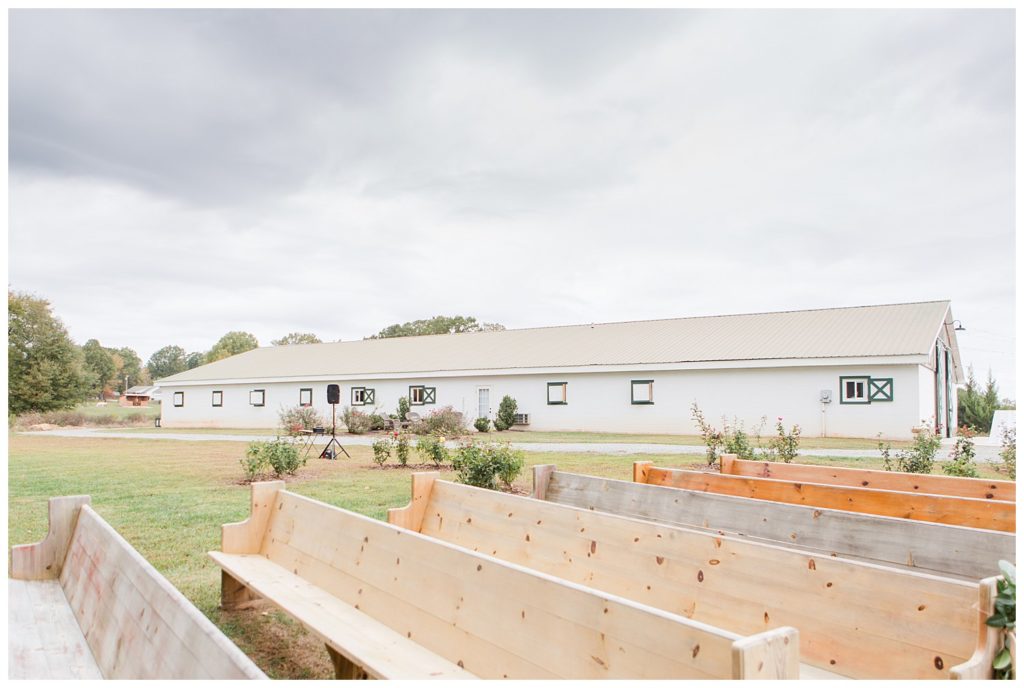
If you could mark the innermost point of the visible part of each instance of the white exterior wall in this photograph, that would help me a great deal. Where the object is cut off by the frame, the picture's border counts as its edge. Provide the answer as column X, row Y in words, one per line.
column 601, row 401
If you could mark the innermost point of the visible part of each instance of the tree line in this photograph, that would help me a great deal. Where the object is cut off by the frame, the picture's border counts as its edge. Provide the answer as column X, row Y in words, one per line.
column 47, row 371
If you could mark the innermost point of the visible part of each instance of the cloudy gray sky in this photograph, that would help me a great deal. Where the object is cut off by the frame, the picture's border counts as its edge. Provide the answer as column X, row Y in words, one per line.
column 177, row 174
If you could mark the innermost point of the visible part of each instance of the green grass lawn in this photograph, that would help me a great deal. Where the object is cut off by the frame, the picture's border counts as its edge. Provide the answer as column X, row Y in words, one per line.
column 169, row 499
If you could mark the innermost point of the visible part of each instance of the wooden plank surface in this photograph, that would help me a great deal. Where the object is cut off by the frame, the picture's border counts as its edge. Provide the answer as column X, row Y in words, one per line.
column 411, row 516
column 136, row 624
column 381, row 651
column 967, row 553
column 856, row 619
column 972, row 513
column 974, row 488
column 43, row 638
column 495, row 619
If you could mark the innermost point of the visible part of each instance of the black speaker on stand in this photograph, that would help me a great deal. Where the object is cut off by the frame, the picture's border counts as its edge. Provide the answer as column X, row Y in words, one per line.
column 333, row 398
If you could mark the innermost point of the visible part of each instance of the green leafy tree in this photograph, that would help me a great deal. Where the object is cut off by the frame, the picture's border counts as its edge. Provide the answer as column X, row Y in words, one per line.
column 975, row 407
column 100, row 366
column 231, row 344
column 194, row 360
column 439, row 324
column 131, row 367
column 45, row 370
column 296, row 338
column 170, row 360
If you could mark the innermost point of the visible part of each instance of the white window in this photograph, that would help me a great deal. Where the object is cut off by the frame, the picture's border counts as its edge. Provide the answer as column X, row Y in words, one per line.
column 854, row 390
column 558, row 393
column 420, row 395
column 306, row 396
column 258, row 397
column 362, row 396
column 642, row 392
column 179, row 398
column 218, row 398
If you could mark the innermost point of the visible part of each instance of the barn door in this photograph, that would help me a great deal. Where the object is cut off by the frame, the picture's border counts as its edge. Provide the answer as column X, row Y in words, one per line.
column 483, row 405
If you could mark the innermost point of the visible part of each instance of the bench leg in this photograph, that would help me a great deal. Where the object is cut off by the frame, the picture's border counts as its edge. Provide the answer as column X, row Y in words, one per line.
column 234, row 595
column 344, row 669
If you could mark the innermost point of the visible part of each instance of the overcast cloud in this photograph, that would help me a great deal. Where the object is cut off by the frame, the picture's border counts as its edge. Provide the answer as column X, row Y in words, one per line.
column 178, row 174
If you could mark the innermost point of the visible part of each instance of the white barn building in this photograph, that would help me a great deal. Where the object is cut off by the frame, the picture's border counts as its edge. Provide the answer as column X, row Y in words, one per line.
column 841, row 372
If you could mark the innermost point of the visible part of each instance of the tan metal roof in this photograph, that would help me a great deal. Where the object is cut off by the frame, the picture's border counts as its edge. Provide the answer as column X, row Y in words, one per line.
column 865, row 331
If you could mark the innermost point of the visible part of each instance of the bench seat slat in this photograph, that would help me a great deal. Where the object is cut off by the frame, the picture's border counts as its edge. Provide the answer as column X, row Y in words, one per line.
column 382, row 652
column 44, row 640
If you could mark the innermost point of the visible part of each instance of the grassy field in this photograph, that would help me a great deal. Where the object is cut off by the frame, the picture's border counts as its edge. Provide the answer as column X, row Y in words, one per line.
column 169, row 500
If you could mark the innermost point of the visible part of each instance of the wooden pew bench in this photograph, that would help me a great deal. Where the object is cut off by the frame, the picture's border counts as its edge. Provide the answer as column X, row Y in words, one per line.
column 955, row 551
column 973, row 513
column 855, row 619
column 82, row 603
column 389, row 603
column 973, row 488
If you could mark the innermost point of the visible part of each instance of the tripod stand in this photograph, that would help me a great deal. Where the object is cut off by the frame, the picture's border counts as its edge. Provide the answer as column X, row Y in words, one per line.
column 329, row 451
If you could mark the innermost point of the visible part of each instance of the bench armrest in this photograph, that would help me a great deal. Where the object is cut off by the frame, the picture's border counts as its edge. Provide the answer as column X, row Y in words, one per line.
column 979, row 666
column 44, row 559
column 246, row 537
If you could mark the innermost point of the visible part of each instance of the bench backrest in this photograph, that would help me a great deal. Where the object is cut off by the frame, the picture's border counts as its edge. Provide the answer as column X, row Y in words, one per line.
column 490, row 617
column 136, row 623
column 956, row 551
column 855, row 619
column 974, row 488
column 973, row 513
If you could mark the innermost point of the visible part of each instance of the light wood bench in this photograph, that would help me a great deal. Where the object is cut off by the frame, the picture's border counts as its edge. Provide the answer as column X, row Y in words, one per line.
column 83, row 603
column 972, row 513
column 955, row 551
column 974, row 488
column 389, row 603
column 855, row 619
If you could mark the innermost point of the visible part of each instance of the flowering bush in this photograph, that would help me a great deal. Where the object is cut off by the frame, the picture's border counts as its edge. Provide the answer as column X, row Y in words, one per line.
column 444, row 421
column 402, row 448
column 783, row 447
column 1009, row 451
column 482, row 464
column 918, row 459
column 431, row 448
column 961, row 460
column 381, row 451
column 356, row 422
column 730, row 440
column 295, row 419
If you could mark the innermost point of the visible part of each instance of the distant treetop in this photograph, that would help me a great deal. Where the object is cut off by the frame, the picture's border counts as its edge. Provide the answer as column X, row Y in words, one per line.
column 439, row 324
column 296, row 338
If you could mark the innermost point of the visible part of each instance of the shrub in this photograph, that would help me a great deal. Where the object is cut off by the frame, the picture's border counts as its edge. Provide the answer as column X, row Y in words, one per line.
column 279, row 455
column 381, row 451
column 403, row 407
column 356, row 422
column 510, row 464
column 1009, row 451
column 254, row 464
column 432, row 448
column 506, row 414
column 732, row 439
column 482, row 464
column 961, row 460
column 712, row 438
column 402, row 449
column 482, row 424
column 295, row 419
column 445, row 421
column 918, row 459
column 784, row 446
column 1004, row 617
column 379, row 421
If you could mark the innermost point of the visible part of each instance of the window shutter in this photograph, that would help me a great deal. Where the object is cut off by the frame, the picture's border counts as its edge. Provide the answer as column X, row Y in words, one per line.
column 368, row 396
column 429, row 395
column 880, row 389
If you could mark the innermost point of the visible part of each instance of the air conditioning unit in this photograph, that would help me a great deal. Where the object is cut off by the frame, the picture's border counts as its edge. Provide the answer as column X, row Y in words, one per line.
column 521, row 419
